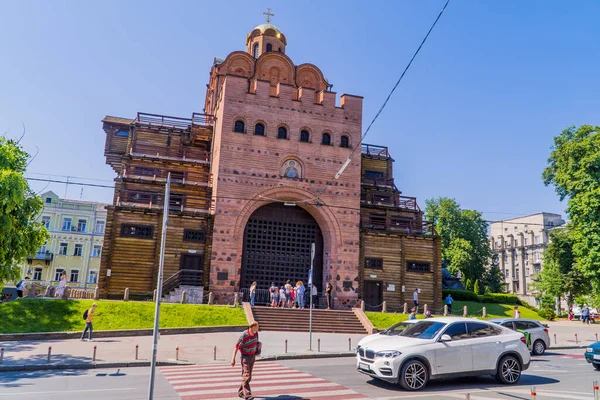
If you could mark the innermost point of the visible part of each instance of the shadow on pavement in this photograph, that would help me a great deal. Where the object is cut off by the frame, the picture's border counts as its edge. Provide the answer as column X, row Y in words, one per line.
column 12, row 379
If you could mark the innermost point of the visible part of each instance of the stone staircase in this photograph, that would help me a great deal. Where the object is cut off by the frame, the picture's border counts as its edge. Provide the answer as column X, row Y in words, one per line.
column 296, row 320
column 194, row 295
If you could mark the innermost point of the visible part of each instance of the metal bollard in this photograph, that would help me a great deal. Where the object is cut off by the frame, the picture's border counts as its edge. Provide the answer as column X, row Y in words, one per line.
column 215, row 354
column 468, row 396
column 533, row 393
column 286, row 345
column 349, row 344
column 555, row 338
column 49, row 352
column 576, row 339
column 445, row 310
column 94, row 356
column 137, row 349
column 596, row 395
column 177, row 353
column 1, row 355
column 318, row 345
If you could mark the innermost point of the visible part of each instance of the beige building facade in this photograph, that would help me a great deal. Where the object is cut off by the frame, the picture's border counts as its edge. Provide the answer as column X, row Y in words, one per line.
column 518, row 244
column 75, row 245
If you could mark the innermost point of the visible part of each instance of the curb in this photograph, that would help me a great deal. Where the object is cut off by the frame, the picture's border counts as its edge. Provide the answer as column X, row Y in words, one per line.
column 97, row 365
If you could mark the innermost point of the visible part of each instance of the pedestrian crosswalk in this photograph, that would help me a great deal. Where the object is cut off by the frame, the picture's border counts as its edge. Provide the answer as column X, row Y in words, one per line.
column 269, row 380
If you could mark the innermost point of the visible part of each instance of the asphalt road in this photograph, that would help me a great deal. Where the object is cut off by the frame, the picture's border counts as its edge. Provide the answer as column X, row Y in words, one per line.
column 564, row 375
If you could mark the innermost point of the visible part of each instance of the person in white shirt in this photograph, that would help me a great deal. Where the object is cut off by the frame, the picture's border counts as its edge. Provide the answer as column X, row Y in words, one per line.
column 517, row 313
column 315, row 295
column 416, row 299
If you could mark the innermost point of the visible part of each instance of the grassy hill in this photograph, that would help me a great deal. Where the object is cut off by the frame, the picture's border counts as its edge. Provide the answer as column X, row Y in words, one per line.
column 494, row 310
column 34, row 315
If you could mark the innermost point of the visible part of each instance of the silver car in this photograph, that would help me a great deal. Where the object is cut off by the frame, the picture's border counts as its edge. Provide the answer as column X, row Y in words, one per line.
column 539, row 339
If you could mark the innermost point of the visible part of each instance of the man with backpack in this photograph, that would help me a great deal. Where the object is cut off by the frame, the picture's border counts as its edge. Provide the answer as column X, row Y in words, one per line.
column 21, row 286
column 88, row 316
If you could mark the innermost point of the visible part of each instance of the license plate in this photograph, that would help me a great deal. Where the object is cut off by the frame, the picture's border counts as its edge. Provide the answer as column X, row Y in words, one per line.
column 364, row 366
column 596, row 356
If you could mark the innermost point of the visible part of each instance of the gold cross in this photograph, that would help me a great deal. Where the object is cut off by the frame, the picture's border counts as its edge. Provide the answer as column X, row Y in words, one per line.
column 269, row 15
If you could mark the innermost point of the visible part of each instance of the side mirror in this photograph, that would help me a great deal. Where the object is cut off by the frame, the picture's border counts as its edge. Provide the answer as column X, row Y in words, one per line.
column 445, row 338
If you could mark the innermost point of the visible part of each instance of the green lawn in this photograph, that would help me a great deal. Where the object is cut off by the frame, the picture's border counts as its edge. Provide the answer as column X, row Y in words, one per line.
column 383, row 321
column 32, row 315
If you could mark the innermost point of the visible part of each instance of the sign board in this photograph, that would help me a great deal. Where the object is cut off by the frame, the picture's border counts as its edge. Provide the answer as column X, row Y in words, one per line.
column 192, row 251
column 391, row 288
column 403, row 288
column 373, row 276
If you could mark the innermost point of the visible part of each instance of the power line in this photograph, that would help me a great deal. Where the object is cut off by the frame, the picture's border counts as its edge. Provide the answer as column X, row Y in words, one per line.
column 70, row 183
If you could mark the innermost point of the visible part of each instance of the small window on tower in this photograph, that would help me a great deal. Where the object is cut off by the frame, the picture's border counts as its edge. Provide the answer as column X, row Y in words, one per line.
column 269, row 47
column 326, row 139
column 344, row 142
column 281, row 133
column 255, row 50
column 239, row 126
column 304, row 136
column 259, row 129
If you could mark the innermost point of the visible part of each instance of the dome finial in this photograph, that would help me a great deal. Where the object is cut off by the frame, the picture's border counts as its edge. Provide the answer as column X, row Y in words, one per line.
column 269, row 15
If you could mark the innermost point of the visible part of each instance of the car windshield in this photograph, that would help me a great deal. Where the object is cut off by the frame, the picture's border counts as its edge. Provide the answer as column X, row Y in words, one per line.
column 423, row 330
column 395, row 330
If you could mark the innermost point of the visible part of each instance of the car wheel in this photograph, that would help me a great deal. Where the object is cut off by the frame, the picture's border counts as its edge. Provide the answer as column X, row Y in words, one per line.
column 509, row 370
column 539, row 347
column 413, row 375
column 596, row 366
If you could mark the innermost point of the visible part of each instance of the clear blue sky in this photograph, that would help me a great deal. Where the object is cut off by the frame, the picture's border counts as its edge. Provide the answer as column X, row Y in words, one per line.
column 473, row 119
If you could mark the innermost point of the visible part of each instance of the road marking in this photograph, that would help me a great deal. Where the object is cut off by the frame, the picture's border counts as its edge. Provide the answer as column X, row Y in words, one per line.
column 70, row 391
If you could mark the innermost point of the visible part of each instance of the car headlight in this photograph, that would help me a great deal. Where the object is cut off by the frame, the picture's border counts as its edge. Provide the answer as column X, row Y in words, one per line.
column 388, row 353
column 589, row 350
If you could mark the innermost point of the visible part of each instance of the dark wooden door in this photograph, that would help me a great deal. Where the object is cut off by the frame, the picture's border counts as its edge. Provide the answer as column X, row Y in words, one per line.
column 373, row 295
column 277, row 246
column 191, row 269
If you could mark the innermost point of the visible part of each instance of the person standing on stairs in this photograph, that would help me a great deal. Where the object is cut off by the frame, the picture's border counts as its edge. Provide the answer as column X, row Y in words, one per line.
column 328, row 290
column 252, row 293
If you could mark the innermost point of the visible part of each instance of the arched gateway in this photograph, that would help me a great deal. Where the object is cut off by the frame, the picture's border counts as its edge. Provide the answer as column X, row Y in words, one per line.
column 277, row 247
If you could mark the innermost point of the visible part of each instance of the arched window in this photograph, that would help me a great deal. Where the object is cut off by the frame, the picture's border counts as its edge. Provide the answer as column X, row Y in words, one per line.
column 269, row 47
column 304, row 136
column 255, row 50
column 281, row 133
column 344, row 142
column 239, row 126
column 259, row 129
column 326, row 139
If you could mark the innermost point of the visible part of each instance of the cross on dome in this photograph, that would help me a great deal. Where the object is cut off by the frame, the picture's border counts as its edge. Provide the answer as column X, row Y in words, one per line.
column 269, row 15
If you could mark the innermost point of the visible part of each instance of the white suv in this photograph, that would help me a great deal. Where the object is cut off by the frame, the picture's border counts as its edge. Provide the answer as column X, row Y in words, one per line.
column 442, row 348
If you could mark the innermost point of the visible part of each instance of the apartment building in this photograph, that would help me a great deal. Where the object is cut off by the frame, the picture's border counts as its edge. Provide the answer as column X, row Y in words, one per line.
column 518, row 244
column 75, row 244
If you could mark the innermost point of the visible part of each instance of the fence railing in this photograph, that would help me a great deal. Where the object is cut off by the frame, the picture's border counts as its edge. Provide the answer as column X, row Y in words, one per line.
column 166, row 121
column 189, row 277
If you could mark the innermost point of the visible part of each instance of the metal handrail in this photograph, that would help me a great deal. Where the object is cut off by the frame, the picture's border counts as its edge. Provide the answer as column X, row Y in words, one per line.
column 190, row 277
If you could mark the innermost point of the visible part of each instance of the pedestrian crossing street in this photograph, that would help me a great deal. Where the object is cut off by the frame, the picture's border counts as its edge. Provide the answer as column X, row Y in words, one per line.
column 269, row 381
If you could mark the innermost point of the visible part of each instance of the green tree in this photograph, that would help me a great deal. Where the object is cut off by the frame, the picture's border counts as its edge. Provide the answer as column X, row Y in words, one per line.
column 465, row 245
column 20, row 235
column 477, row 288
column 561, row 274
column 493, row 278
column 574, row 170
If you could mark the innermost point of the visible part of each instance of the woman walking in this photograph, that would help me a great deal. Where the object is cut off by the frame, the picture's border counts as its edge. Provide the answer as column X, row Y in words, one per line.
column 60, row 291
column 300, row 294
column 252, row 293
column 328, row 289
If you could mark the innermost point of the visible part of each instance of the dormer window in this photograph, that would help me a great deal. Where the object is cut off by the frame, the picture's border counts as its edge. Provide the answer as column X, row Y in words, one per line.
column 326, row 140
column 344, row 142
column 259, row 129
column 255, row 50
column 269, row 47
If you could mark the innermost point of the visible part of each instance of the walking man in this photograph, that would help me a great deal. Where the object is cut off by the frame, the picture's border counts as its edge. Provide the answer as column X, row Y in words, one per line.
column 449, row 301
column 21, row 286
column 88, row 316
column 248, row 346
column 416, row 299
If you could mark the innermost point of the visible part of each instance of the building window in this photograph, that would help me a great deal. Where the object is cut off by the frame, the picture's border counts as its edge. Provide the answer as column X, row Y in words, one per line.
column 517, row 273
column 97, row 252
column 291, row 169
column 239, row 126
column 62, row 249
column 259, row 129
column 46, row 221
column 176, row 202
column 66, row 225
column 304, row 136
column 374, row 263
column 78, row 250
column 526, row 256
column 373, row 174
column 142, row 197
column 536, row 257
column 527, row 272
column 145, row 171
column 99, row 227
column 74, row 275
column 506, row 273
column 81, row 225
column 37, row 274
column 58, row 273
column 122, row 133
column 525, row 242
column 326, row 140
column 48, row 200
column 255, row 50
column 382, row 198
column 193, row 235
column 344, row 142
column 377, row 221
column 137, row 231
column 177, row 176
column 505, row 256
column 418, row 266
column 537, row 240
column 281, row 133
column 269, row 47
column 93, row 278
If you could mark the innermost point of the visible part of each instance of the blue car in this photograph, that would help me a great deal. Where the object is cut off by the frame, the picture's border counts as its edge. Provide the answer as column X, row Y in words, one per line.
column 592, row 355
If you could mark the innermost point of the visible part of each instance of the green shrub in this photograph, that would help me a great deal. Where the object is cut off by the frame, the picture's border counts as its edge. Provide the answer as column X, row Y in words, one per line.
column 460, row 295
column 500, row 298
column 477, row 288
column 469, row 285
column 547, row 313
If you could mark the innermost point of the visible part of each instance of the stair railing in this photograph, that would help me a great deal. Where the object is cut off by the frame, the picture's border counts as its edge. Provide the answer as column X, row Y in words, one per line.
column 188, row 277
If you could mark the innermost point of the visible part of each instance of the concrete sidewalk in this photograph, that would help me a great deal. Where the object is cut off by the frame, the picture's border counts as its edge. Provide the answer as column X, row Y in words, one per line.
column 193, row 348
